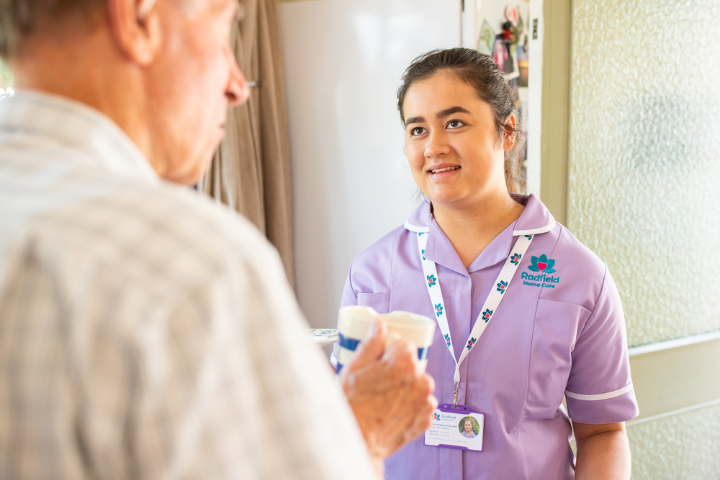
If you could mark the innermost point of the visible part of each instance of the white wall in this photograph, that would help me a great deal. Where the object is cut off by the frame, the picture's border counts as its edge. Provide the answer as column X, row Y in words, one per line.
column 343, row 61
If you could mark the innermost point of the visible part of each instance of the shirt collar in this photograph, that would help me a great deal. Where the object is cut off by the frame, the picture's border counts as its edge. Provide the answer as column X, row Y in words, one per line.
column 74, row 125
column 534, row 220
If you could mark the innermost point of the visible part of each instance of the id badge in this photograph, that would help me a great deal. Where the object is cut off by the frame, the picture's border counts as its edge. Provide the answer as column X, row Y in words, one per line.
column 459, row 427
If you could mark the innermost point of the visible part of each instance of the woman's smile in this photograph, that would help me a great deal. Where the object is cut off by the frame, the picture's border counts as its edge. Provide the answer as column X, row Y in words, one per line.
column 443, row 171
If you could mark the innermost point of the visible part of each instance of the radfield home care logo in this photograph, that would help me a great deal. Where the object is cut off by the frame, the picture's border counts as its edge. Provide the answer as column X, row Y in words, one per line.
column 542, row 266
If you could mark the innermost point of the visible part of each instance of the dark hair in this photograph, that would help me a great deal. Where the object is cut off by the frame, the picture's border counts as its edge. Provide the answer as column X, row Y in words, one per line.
column 480, row 72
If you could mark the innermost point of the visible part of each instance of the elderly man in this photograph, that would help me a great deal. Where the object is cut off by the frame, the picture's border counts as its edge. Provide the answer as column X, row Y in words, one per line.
column 144, row 331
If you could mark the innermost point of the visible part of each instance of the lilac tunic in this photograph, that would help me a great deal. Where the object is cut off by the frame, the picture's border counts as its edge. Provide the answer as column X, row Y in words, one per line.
column 550, row 337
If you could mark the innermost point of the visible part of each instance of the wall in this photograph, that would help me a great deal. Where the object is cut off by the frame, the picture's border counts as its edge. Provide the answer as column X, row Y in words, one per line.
column 343, row 61
column 683, row 446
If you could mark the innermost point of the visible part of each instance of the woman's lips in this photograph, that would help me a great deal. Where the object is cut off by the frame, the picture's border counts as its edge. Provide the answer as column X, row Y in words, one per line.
column 443, row 171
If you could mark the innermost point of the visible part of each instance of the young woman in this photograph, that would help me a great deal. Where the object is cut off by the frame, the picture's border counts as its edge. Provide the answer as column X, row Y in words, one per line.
column 526, row 313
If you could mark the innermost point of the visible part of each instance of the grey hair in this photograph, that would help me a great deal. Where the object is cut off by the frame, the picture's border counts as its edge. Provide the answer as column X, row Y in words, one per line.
column 19, row 18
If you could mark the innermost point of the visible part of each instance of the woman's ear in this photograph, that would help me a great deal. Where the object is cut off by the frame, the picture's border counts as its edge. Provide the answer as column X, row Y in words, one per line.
column 509, row 137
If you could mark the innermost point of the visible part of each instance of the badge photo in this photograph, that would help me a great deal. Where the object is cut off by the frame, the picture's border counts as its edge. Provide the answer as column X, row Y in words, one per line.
column 456, row 427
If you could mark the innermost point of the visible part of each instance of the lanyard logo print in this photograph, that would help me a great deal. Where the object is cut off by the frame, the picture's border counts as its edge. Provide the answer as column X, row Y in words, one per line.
column 491, row 303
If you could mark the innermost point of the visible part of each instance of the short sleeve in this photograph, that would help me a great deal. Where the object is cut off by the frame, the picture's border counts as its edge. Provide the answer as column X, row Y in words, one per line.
column 599, row 388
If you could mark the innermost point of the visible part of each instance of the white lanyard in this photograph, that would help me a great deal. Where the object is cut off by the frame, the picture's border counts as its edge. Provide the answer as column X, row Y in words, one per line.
column 489, row 307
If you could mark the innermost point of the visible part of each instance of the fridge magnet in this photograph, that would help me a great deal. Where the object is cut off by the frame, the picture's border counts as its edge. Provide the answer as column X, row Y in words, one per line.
column 511, row 14
column 501, row 55
column 522, row 61
column 486, row 40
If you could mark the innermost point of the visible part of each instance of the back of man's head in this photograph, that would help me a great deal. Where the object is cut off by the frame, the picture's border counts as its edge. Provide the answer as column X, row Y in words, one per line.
column 20, row 18
column 162, row 70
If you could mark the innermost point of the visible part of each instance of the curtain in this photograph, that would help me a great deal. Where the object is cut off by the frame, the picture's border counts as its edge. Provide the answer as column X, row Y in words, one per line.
column 250, row 171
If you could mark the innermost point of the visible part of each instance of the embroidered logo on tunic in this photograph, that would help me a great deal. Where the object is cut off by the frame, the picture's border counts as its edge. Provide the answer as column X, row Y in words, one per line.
column 542, row 264
column 487, row 314
column 447, row 339
column 431, row 280
column 471, row 342
column 438, row 309
column 502, row 286
column 423, row 255
column 529, row 237
column 515, row 259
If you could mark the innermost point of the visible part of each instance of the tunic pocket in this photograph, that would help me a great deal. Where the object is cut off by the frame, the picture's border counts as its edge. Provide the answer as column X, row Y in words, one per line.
column 554, row 335
column 380, row 301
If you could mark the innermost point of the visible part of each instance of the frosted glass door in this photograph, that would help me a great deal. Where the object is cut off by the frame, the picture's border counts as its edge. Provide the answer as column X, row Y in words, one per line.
column 643, row 193
column 644, row 167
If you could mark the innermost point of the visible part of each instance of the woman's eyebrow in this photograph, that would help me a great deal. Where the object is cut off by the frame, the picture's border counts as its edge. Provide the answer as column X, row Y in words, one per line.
column 414, row 120
column 440, row 114
column 450, row 111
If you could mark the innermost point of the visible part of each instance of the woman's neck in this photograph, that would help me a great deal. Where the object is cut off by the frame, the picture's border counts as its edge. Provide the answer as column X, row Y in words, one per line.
column 471, row 229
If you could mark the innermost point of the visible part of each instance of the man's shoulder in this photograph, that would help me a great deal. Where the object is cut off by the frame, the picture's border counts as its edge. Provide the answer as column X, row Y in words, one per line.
column 177, row 225
column 150, row 232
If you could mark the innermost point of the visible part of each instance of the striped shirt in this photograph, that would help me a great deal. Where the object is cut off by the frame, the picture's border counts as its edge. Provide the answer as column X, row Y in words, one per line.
column 146, row 332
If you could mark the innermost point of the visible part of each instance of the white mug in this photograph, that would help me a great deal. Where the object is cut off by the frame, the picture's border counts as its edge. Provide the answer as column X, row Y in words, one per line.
column 354, row 325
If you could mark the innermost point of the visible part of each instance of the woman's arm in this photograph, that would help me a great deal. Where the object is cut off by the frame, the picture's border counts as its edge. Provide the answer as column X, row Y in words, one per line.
column 602, row 451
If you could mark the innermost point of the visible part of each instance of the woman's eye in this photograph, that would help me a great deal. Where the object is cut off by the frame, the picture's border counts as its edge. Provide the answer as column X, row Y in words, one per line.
column 455, row 124
column 417, row 131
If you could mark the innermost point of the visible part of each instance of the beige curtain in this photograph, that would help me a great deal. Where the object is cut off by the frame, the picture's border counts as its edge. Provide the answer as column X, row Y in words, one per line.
column 251, row 169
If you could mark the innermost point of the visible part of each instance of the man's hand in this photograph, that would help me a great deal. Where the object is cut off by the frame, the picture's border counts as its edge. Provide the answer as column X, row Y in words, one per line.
column 392, row 402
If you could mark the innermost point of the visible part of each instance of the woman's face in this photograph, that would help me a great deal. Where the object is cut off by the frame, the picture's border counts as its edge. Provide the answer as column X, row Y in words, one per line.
column 451, row 142
column 468, row 426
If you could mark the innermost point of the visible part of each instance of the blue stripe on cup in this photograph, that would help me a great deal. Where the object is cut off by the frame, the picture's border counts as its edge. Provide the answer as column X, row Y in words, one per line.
column 351, row 344
column 348, row 343
column 423, row 353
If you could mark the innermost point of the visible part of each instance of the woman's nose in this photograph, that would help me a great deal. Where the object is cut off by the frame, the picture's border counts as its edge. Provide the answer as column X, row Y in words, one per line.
column 436, row 145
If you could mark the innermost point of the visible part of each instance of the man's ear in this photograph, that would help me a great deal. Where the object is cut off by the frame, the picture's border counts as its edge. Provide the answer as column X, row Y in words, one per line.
column 509, row 139
column 135, row 25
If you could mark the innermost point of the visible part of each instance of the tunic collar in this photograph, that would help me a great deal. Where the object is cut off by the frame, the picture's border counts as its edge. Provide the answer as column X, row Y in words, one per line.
column 535, row 219
column 74, row 125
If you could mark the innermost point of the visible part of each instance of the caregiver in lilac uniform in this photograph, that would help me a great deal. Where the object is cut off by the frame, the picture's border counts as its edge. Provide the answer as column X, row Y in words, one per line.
column 526, row 313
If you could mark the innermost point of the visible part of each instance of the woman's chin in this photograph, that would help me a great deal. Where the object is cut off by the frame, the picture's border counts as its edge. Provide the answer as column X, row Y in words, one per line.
column 446, row 198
